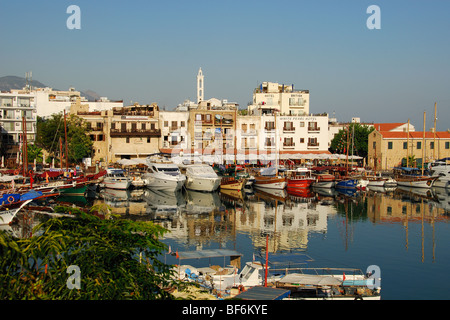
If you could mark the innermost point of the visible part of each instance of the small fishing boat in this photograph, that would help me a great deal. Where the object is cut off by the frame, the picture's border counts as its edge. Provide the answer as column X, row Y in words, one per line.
column 299, row 179
column 324, row 180
column 268, row 178
column 231, row 183
column 347, row 183
column 7, row 216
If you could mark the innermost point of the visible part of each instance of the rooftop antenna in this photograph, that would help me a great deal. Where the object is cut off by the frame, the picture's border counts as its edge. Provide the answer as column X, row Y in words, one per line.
column 28, row 79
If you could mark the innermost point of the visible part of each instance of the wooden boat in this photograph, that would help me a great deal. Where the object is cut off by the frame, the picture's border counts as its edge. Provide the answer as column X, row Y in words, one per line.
column 299, row 179
column 415, row 181
column 231, row 183
column 324, row 180
column 7, row 216
column 273, row 182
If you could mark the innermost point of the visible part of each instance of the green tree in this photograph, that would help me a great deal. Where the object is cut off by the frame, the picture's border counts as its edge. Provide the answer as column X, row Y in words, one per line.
column 50, row 130
column 117, row 259
column 34, row 152
column 360, row 138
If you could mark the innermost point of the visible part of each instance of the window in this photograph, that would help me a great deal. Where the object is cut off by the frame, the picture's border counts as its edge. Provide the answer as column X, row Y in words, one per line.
column 302, row 124
column 148, row 140
column 174, row 125
column 405, row 145
column 182, row 124
column 389, row 144
column 432, row 145
column 288, row 126
column 270, row 125
column 447, row 145
column 419, row 145
column 312, row 142
column 374, row 144
column 127, row 140
column 288, row 142
column 166, row 124
column 302, row 140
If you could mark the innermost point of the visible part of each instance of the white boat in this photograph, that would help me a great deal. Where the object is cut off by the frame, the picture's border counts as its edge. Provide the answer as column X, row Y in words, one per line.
column 201, row 177
column 115, row 179
column 163, row 175
column 8, row 215
column 268, row 178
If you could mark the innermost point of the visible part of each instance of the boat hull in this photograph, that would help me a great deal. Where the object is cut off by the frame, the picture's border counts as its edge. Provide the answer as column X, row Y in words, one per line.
column 270, row 182
column 299, row 183
column 166, row 184
column 75, row 191
column 232, row 184
column 121, row 185
column 417, row 182
column 202, row 184
column 347, row 184
column 323, row 184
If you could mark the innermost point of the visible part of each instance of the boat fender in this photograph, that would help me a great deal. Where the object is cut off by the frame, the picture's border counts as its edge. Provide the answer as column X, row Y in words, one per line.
column 10, row 199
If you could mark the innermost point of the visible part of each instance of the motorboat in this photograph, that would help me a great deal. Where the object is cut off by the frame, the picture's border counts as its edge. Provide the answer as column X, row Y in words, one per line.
column 201, row 177
column 442, row 170
column 115, row 179
column 163, row 175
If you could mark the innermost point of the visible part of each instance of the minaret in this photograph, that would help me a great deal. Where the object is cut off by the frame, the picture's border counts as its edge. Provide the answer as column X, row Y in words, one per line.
column 200, row 84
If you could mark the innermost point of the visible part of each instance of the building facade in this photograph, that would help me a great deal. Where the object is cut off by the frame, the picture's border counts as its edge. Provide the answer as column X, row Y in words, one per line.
column 17, row 116
column 272, row 97
column 386, row 149
column 122, row 133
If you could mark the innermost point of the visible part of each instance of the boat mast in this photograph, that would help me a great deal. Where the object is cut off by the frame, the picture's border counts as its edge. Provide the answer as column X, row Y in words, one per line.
column 407, row 146
column 434, row 134
column 423, row 142
column 65, row 134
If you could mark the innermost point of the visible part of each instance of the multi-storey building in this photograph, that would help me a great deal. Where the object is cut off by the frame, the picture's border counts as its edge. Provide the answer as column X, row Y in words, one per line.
column 174, row 131
column 122, row 133
column 387, row 148
column 16, row 107
column 272, row 97
column 49, row 101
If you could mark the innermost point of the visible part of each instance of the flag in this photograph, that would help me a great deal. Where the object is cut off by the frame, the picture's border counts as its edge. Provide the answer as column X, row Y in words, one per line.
column 176, row 254
column 253, row 257
column 31, row 181
column 343, row 277
column 170, row 250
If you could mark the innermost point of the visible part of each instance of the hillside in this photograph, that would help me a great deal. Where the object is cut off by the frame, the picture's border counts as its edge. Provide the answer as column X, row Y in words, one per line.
column 13, row 82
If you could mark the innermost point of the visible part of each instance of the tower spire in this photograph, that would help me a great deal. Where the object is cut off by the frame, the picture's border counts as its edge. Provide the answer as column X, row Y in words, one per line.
column 200, row 86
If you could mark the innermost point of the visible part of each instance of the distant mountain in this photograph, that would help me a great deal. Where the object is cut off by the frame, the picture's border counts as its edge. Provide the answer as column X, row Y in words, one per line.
column 13, row 82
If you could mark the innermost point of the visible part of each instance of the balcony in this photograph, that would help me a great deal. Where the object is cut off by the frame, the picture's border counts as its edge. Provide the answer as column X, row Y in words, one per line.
column 288, row 130
column 313, row 144
column 135, row 133
column 313, row 129
column 288, row 145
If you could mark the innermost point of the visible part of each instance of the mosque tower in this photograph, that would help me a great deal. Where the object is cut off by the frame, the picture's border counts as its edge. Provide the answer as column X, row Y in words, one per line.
column 200, row 85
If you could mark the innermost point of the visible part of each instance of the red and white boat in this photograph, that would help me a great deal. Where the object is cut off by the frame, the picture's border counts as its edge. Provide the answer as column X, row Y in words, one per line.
column 299, row 179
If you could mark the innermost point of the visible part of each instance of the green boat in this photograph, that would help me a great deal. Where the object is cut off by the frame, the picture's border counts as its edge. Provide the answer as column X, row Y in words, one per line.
column 74, row 191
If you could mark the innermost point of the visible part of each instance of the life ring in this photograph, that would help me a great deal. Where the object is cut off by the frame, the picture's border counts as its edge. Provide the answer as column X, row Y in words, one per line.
column 16, row 172
column 10, row 199
column 30, row 172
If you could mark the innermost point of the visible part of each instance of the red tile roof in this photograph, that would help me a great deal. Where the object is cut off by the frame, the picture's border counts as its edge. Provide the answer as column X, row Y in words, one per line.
column 414, row 135
column 387, row 126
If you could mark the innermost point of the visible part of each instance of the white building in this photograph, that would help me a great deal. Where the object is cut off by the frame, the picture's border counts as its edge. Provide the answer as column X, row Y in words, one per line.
column 174, row 130
column 14, row 106
column 274, row 97
column 49, row 101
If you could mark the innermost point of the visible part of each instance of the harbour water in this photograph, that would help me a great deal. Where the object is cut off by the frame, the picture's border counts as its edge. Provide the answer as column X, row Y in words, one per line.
column 405, row 232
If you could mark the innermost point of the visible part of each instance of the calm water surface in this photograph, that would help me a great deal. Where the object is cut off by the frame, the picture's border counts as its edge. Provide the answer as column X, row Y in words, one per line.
column 404, row 232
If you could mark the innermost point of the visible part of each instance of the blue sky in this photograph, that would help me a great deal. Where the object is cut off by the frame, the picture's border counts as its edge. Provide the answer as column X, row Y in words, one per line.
column 150, row 51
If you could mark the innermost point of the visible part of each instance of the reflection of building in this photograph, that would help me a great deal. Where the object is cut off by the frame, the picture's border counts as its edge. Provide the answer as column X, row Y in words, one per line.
column 288, row 222
column 406, row 205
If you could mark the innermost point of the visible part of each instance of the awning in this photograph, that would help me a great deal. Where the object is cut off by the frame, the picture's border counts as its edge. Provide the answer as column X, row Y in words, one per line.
column 263, row 293
column 310, row 280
